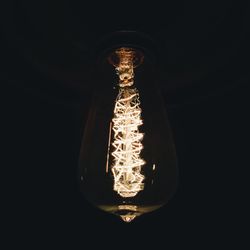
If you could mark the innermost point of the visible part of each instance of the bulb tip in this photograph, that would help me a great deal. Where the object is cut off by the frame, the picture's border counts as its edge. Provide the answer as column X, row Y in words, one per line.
column 128, row 217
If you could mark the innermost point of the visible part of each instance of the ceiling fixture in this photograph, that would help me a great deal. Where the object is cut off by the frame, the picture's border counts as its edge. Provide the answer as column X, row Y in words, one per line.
column 127, row 159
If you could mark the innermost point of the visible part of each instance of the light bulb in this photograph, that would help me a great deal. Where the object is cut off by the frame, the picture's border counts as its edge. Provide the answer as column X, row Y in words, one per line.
column 127, row 159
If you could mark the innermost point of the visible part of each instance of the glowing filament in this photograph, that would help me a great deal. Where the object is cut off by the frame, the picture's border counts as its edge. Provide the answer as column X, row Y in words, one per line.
column 126, row 144
column 128, row 180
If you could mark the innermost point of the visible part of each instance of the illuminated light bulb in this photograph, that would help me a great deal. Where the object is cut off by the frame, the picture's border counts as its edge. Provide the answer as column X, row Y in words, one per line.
column 127, row 159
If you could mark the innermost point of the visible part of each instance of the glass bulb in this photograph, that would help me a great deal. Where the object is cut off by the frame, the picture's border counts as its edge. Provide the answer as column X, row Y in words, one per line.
column 127, row 159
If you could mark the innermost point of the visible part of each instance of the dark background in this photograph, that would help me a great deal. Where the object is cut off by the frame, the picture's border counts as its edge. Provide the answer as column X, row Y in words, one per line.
column 46, row 87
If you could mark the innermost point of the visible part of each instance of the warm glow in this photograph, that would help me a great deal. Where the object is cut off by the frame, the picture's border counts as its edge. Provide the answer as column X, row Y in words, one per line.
column 127, row 146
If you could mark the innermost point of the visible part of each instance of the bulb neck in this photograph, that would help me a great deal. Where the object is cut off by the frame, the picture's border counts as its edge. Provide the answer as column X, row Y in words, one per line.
column 125, row 60
column 125, row 68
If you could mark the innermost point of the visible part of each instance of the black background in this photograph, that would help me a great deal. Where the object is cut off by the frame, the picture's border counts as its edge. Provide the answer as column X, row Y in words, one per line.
column 46, row 87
